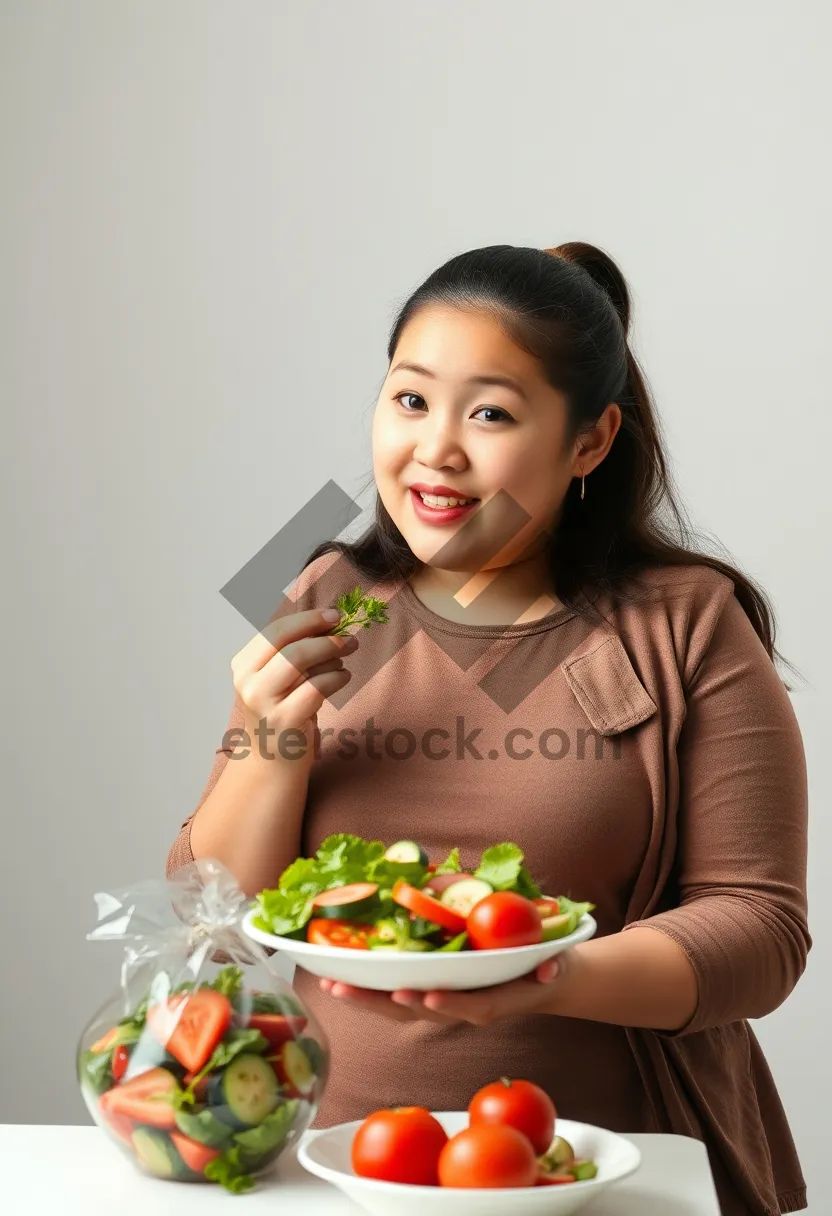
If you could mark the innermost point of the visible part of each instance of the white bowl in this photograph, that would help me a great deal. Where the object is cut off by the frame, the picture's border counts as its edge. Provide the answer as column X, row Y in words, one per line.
column 326, row 1154
column 387, row 970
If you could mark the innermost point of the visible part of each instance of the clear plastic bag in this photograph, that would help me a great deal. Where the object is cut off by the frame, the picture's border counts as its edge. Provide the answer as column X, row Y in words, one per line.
column 204, row 1066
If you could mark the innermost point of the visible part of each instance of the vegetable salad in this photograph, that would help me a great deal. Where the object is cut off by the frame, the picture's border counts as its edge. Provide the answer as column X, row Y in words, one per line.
column 359, row 894
column 207, row 1082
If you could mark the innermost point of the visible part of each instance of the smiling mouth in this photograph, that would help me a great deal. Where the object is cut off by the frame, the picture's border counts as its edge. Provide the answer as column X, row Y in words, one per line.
column 443, row 501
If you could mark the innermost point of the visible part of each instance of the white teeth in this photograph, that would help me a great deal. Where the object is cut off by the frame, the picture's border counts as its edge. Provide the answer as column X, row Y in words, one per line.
column 433, row 500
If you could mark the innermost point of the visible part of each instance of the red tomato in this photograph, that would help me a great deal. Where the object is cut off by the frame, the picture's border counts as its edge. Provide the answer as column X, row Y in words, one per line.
column 196, row 1156
column 489, row 1155
column 399, row 1145
column 426, row 906
column 547, row 907
column 344, row 933
column 502, row 920
column 518, row 1104
column 278, row 1028
column 190, row 1024
column 121, row 1058
column 145, row 1098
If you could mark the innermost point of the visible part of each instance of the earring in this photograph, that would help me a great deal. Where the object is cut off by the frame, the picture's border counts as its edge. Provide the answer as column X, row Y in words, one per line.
column 582, row 486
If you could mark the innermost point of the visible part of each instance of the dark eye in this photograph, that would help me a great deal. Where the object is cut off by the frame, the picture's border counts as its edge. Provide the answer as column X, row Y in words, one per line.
column 399, row 397
column 493, row 409
column 502, row 415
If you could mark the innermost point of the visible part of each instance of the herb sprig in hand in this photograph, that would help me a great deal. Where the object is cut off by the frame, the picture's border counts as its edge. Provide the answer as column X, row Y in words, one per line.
column 361, row 610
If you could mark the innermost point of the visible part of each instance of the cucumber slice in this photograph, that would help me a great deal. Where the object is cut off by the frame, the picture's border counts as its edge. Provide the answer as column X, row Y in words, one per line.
column 341, row 903
column 456, row 943
column 406, row 851
column 558, row 926
column 462, row 896
column 245, row 1092
column 295, row 1068
column 581, row 1171
column 156, row 1153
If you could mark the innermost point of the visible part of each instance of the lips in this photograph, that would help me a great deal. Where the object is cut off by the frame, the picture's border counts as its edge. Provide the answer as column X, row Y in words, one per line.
column 438, row 515
column 440, row 491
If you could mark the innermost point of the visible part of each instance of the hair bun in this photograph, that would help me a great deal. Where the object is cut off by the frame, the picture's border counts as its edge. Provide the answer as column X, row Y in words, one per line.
column 602, row 269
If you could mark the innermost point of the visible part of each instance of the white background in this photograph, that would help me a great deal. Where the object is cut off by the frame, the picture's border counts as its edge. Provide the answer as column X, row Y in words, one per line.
column 209, row 212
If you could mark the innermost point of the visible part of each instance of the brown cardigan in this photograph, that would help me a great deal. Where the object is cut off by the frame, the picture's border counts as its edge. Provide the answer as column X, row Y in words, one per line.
column 691, row 818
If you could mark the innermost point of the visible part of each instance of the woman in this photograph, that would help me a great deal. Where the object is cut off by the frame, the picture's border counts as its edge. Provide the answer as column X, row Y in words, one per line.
column 562, row 669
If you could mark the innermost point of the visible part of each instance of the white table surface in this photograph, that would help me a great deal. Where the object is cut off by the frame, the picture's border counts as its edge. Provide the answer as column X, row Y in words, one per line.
column 76, row 1171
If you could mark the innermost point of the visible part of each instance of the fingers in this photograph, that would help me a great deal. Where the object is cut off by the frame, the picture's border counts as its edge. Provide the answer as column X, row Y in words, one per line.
column 282, row 631
column 383, row 1003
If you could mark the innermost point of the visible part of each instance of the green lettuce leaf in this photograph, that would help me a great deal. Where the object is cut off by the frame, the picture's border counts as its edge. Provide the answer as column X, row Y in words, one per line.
column 500, row 866
column 451, row 864
column 271, row 1133
column 230, row 1170
column 204, row 1127
column 229, row 981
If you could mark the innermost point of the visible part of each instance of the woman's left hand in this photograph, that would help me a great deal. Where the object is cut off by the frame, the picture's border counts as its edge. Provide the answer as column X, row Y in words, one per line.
column 532, row 993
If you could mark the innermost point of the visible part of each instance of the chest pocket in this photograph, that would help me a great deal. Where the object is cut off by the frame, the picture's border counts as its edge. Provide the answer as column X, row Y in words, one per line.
column 607, row 688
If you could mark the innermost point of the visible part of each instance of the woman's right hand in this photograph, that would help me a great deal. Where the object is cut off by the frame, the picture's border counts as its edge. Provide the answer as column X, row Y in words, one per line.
column 284, row 674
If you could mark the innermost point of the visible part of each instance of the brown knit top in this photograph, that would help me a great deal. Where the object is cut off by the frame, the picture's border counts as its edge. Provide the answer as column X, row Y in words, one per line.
column 652, row 764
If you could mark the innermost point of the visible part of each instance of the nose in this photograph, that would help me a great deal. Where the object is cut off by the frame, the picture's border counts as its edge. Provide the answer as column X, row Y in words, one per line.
column 439, row 446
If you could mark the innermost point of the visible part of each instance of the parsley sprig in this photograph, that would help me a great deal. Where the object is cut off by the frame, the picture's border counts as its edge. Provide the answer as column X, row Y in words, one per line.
column 359, row 609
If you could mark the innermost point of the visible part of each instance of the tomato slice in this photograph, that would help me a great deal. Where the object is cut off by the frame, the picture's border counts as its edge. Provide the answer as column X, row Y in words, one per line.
column 547, row 907
column 196, row 1156
column 104, row 1043
column 121, row 1058
column 119, row 1125
column 278, row 1028
column 544, row 1179
column 145, row 1098
column 426, row 906
column 190, row 1024
column 347, row 934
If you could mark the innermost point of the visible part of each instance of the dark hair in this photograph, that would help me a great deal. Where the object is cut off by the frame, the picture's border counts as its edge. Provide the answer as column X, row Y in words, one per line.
column 569, row 307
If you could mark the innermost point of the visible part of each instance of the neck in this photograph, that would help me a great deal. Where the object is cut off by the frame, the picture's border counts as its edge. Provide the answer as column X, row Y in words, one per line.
column 505, row 595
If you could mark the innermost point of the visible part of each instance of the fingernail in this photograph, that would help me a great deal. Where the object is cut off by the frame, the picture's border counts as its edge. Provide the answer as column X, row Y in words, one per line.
column 331, row 614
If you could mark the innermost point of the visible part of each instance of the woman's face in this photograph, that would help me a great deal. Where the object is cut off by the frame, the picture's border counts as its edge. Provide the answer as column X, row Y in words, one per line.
column 503, row 445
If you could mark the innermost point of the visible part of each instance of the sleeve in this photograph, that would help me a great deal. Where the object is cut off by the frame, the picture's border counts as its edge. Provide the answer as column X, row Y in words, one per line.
column 740, row 867
column 305, row 592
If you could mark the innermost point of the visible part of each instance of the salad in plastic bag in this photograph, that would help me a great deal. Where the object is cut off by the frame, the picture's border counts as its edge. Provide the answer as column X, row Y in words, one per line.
column 204, row 1065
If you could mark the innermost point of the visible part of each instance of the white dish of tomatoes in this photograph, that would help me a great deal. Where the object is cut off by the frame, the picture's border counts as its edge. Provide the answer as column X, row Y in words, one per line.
column 388, row 970
column 328, row 1154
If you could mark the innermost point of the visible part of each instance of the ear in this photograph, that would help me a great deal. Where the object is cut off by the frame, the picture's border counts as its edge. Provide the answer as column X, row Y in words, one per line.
column 606, row 686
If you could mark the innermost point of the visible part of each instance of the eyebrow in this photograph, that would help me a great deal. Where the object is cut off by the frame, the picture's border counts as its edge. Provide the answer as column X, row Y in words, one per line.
column 494, row 378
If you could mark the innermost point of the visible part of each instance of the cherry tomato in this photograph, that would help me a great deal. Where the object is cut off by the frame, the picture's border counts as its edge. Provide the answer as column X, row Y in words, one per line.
column 488, row 1155
column 344, row 933
column 502, row 920
column 121, row 1058
column 518, row 1104
column 426, row 906
column 399, row 1145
